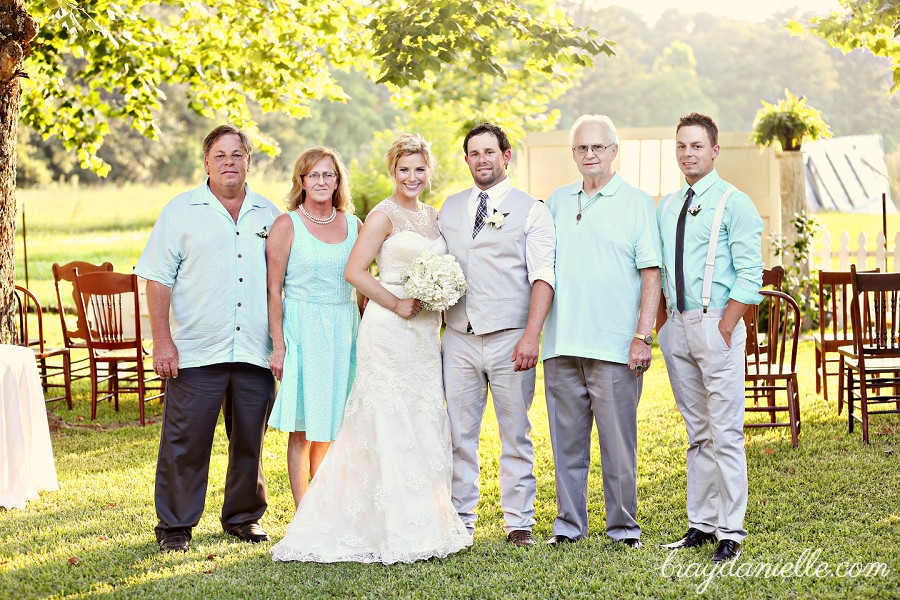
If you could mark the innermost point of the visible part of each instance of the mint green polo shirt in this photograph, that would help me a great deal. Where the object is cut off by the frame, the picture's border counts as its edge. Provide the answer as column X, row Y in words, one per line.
column 598, row 261
column 738, row 263
column 216, row 269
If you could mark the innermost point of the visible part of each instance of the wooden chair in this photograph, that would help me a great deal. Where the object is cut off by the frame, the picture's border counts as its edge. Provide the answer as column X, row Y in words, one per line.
column 873, row 375
column 771, row 364
column 835, row 335
column 773, row 277
column 834, row 326
column 74, row 339
column 104, row 301
column 26, row 301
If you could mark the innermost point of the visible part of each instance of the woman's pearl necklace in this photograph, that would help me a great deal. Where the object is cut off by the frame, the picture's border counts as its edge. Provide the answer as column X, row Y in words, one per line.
column 317, row 220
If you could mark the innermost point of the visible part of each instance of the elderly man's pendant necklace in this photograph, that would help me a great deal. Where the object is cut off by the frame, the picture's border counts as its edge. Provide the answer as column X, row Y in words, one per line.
column 584, row 210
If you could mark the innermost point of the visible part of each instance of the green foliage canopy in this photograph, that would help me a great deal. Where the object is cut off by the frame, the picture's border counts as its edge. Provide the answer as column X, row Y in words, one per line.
column 98, row 60
column 873, row 25
column 791, row 121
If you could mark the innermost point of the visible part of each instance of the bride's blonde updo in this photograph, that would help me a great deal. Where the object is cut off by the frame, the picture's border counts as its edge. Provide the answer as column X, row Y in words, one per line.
column 406, row 144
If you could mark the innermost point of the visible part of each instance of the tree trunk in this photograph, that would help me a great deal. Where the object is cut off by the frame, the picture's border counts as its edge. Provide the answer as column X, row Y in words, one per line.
column 17, row 29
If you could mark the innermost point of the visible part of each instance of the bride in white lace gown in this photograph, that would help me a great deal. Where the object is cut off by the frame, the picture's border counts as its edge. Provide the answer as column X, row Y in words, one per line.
column 382, row 493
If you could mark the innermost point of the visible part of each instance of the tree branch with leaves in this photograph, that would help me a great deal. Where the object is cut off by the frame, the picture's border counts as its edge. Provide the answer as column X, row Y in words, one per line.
column 872, row 25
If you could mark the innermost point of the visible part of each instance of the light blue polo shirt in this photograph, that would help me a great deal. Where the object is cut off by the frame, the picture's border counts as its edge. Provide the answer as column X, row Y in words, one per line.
column 598, row 281
column 738, row 264
column 217, row 272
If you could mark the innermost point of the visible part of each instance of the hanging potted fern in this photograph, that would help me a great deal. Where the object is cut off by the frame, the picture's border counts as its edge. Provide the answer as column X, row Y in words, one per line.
column 790, row 122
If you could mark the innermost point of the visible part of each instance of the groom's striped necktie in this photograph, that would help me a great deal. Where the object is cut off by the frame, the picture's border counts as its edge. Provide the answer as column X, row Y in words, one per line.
column 481, row 214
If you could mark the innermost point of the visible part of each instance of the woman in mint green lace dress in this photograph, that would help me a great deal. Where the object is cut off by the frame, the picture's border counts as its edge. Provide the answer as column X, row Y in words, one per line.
column 314, row 327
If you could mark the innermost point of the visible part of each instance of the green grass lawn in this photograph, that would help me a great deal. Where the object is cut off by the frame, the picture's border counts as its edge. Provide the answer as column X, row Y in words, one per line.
column 833, row 496
column 833, row 499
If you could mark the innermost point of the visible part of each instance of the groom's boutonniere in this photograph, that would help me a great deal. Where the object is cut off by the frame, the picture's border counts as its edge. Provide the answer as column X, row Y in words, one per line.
column 496, row 219
column 264, row 233
column 695, row 210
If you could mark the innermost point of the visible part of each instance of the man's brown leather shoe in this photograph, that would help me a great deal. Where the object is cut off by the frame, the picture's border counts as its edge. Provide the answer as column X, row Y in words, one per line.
column 249, row 532
column 726, row 550
column 693, row 538
column 522, row 538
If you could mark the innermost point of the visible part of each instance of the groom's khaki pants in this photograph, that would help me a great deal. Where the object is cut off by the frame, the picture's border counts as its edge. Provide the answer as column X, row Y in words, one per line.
column 471, row 364
column 707, row 379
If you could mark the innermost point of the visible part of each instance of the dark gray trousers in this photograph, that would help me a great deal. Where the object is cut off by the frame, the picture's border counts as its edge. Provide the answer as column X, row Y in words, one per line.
column 581, row 391
column 245, row 393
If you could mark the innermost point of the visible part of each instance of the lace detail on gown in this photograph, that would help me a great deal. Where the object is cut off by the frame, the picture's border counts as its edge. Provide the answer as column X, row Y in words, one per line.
column 424, row 221
column 382, row 493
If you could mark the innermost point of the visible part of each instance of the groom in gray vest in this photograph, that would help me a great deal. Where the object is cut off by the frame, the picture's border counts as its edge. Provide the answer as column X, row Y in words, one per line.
column 506, row 244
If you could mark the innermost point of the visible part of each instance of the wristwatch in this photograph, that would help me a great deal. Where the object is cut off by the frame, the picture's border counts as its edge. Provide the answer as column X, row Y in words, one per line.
column 647, row 339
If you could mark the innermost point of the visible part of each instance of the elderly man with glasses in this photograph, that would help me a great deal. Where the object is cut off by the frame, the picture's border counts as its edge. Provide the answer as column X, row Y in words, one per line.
column 597, row 338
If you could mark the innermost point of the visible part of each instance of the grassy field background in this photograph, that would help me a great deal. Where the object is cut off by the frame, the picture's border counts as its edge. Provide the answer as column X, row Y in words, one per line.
column 113, row 224
column 833, row 500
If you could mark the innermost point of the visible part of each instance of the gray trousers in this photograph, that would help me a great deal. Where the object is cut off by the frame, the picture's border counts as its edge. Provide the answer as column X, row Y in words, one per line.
column 245, row 393
column 472, row 363
column 708, row 383
column 579, row 392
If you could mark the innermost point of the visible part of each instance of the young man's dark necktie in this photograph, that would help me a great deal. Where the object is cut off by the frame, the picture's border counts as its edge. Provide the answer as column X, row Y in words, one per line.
column 679, row 251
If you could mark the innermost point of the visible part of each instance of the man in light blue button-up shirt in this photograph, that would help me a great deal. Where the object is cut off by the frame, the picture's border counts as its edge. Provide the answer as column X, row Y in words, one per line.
column 206, row 291
column 702, row 335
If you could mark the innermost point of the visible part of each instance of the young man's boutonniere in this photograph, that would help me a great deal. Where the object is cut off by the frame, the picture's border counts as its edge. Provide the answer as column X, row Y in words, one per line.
column 695, row 210
column 496, row 219
column 264, row 233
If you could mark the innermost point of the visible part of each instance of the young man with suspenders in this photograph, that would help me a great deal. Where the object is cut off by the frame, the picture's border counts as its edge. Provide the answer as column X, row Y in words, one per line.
column 711, row 242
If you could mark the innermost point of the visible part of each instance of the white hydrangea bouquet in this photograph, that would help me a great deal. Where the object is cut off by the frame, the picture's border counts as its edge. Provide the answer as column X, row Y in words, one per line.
column 436, row 280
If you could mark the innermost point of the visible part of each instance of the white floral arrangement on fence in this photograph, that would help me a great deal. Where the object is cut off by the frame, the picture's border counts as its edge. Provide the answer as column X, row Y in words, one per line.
column 436, row 280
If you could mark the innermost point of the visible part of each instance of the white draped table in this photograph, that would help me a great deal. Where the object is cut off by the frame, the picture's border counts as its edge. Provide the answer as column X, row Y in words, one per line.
column 26, row 456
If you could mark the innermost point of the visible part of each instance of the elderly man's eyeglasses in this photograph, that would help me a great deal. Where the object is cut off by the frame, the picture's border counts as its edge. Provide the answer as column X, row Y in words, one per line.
column 327, row 176
column 597, row 149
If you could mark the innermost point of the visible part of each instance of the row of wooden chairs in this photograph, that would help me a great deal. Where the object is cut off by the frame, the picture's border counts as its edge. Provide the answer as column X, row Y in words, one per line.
column 107, row 328
column 859, row 326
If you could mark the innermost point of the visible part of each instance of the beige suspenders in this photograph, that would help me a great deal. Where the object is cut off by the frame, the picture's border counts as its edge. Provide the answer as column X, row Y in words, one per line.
column 710, row 250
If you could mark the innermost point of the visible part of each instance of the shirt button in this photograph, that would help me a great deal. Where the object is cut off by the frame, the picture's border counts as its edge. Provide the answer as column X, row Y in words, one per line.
column 239, row 255
column 241, row 279
column 238, row 327
column 239, row 304
column 237, row 233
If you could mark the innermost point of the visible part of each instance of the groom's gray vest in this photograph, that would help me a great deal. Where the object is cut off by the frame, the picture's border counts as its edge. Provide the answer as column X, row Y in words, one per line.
column 499, row 293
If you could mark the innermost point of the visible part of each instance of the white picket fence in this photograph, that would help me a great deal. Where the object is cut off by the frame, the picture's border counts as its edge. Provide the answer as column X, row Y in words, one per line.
column 863, row 258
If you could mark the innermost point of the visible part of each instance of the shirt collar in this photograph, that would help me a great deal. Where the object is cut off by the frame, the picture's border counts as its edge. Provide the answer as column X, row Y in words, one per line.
column 494, row 192
column 204, row 195
column 701, row 186
column 612, row 186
